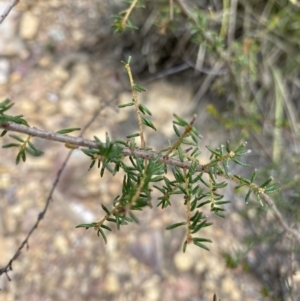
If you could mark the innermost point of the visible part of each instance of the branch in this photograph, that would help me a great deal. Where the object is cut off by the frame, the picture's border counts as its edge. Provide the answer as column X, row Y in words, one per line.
column 42, row 214
column 144, row 154
column 8, row 9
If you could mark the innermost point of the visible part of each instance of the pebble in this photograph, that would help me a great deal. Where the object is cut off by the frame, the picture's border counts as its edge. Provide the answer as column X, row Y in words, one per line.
column 4, row 71
column 183, row 262
column 29, row 26
column 80, row 77
column 10, row 43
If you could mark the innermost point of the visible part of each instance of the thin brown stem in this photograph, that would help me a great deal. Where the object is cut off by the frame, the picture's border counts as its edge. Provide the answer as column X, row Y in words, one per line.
column 136, row 104
column 7, row 10
column 128, row 12
column 187, row 130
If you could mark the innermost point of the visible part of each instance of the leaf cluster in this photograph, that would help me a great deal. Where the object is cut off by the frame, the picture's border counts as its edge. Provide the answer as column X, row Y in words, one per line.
column 197, row 186
column 5, row 106
column 24, row 146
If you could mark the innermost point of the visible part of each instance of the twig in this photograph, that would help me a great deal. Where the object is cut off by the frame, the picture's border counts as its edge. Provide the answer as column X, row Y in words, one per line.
column 8, row 9
column 232, row 22
column 171, row 10
column 41, row 215
column 144, row 154
column 128, row 12
column 292, row 271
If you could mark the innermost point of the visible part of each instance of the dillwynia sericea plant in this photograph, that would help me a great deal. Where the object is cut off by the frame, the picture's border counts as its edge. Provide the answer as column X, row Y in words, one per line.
column 147, row 170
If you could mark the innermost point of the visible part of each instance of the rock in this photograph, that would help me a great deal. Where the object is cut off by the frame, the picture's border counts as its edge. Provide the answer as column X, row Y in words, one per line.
column 77, row 81
column 59, row 76
column 45, row 61
column 112, row 284
column 61, row 244
column 69, row 107
column 4, row 71
column 183, row 262
column 29, row 26
column 90, row 103
column 10, row 44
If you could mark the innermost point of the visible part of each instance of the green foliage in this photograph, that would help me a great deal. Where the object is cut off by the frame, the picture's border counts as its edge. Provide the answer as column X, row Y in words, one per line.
column 4, row 106
column 24, row 146
column 198, row 186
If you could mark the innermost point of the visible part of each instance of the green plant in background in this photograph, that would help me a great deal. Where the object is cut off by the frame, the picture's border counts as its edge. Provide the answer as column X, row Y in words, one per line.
column 174, row 170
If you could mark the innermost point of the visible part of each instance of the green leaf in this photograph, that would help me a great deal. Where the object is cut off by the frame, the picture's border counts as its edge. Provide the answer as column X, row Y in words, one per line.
column 272, row 188
column 203, row 203
column 5, row 105
column 23, row 155
column 156, row 179
column 92, row 164
column 242, row 179
column 227, row 147
column 215, row 152
column 173, row 226
column 139, row 88
column 134, row 218
column 3, row 133
column 16, row 119
column 179, row 121
column 18, row 158
column 120, row 142
column 219, row 214
column 195, row 138
column 133, row 135
column 148, row 123
column 16, row 138
column 144, row 110
column 222, row 202
column 220, row 185
column 188, row 142
column 199, row 239
column 226, row 168
column 180, row 154
column 68, row 130
column 196, row 152
column 97, row 140
column 240, row 148
column 105, row 227
column 239, row 186
column 253, row 177
column 33, row 152
column 129, row 104
column 86, row 225
column 240, row 163
column 264, row 184
column 201, row 225
column 11, row 145
column 184, row 246
column 105, row 209
column 176, row 130
column 199, row 244
column 103, row 235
